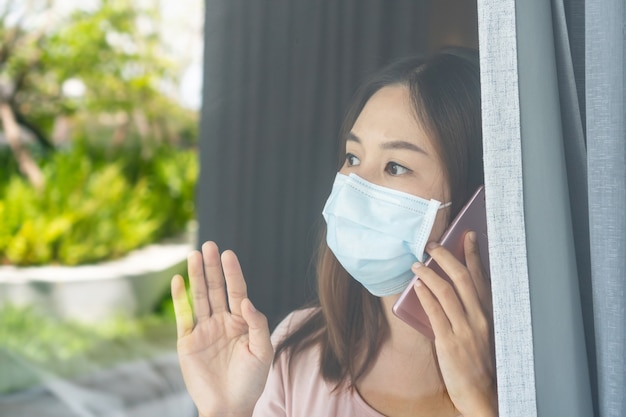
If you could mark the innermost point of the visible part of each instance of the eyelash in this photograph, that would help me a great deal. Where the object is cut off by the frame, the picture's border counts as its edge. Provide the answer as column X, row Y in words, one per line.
column 388, row 168
column 349, row 157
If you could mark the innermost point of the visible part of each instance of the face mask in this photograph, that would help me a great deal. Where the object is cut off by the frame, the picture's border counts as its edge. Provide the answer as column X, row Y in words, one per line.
column 377, row 233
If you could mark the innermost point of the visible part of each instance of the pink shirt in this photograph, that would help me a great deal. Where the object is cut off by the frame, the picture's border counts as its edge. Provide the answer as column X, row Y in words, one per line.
column 304, row 393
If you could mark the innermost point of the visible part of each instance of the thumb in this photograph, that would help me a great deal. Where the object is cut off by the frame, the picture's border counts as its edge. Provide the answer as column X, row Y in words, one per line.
column 258, row 332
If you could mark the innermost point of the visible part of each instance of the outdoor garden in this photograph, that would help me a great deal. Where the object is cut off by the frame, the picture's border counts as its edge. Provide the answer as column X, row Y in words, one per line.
column 98, row 164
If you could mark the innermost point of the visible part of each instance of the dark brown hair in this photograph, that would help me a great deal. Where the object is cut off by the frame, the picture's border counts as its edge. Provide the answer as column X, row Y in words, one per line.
column 349, row 323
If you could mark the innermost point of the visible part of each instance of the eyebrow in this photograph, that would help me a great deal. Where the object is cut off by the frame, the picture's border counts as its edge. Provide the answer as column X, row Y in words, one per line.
column 395, row 144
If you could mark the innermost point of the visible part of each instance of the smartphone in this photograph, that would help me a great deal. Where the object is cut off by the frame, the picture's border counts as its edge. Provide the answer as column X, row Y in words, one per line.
column 471, row 217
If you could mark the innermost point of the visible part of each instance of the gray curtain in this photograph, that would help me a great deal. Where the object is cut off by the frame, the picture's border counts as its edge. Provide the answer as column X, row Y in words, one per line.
column 278, row 75
column 605, row 97
column 553, row 78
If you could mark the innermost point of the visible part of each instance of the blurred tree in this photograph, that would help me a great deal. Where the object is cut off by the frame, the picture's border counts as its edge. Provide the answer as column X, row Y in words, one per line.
column 19, row 54
column 103, row 66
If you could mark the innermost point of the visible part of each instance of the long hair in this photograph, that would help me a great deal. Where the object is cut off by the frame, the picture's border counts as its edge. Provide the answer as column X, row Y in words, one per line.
column 349, row 324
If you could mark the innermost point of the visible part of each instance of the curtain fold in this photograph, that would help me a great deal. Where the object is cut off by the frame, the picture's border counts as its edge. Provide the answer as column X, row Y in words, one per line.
column 561, row 370
column 569, row 37
column 605, row 95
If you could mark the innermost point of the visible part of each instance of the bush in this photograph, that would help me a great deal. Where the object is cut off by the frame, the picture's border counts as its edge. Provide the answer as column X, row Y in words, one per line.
column 97, row 204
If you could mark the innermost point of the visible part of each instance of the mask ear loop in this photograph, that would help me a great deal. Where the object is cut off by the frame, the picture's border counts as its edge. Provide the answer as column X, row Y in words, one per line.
column 429, row 219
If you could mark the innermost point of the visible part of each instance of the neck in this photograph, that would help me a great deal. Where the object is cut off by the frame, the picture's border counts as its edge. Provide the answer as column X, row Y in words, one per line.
column 408, row 366
column 402, row 337
column 413, row 352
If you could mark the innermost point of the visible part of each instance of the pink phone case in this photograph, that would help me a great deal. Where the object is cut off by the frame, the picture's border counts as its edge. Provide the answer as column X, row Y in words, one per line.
column 471, row 217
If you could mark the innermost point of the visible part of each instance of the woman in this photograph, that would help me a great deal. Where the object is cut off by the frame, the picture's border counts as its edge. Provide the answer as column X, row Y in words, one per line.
column 412, row 133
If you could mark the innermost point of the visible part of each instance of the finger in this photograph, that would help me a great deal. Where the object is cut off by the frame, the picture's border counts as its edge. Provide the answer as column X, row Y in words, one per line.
column 437, row 317
column 182, row 309
column 235, row 283
column 458, row 273
column 258, row 332
column 197, row 283
column 445, row 295
column 477, row 270
column 214, row 276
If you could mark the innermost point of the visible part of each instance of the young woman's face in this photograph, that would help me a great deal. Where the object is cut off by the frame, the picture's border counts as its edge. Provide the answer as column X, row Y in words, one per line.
column 388, row 147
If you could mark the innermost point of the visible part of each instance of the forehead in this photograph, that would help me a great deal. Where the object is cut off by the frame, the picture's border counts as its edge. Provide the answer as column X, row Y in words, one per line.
column 389, row 115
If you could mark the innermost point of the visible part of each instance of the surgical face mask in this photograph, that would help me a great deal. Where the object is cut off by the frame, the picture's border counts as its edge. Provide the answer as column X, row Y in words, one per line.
column 377, row 233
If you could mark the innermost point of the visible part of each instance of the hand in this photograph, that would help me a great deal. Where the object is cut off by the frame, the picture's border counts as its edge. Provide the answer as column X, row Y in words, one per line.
column 225, row 354
column 461, row 317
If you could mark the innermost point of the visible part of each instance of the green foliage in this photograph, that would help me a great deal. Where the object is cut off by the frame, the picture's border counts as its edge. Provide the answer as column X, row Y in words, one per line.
column 97, row 204
column 115, row 52
column 127, row 185
column 120, row 65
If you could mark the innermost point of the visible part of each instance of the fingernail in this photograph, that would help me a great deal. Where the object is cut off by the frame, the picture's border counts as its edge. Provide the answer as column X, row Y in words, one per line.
column 418, row 282
column 416, row 265
column 432, row 245
column 472, row 236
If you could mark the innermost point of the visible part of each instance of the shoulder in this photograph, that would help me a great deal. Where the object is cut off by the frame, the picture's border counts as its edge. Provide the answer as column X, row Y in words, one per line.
column 295, row 386
column 291, row 323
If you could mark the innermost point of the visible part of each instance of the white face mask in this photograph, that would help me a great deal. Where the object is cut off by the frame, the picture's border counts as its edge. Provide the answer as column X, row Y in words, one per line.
column 377, row 233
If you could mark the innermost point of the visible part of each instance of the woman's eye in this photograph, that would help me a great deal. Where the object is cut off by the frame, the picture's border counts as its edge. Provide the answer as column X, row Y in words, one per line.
column 352, row 160
column 396, row 169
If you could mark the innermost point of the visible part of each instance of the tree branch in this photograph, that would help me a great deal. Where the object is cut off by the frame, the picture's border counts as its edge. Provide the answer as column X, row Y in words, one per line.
column 24, row 159
column 37, row 133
